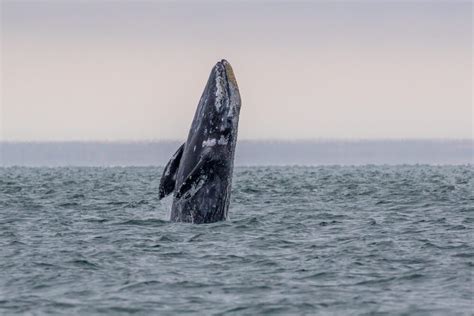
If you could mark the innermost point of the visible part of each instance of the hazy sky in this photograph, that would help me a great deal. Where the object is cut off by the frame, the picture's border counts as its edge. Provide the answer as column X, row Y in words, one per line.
column 131, row 70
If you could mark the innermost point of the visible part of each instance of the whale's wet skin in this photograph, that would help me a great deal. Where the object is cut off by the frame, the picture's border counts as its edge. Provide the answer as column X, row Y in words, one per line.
column 200, row 172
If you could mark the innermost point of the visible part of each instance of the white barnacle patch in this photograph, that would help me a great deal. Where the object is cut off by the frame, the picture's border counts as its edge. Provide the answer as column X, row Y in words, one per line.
column 209, row 142
column 220, row 91
column 167, row 171
column 222, row 141
column 196, row 187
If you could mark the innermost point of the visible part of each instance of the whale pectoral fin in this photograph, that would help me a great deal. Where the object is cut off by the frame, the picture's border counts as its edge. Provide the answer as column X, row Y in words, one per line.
column 196, row 177
column 168, row 179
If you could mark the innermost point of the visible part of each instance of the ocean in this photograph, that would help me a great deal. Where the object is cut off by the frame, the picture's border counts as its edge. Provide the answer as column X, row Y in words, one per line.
column 327, row 240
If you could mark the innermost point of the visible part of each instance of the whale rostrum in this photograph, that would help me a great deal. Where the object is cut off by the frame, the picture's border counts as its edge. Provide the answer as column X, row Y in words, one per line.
column 200, row 172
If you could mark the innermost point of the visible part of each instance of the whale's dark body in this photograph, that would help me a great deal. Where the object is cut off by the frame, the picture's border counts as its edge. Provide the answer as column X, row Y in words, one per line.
column 200, row 172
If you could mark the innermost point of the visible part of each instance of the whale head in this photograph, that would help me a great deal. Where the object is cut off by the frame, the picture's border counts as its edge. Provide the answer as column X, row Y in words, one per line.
column 219, row 108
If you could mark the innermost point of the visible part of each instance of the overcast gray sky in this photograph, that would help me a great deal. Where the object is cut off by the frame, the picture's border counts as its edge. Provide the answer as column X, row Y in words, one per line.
column 132, row 70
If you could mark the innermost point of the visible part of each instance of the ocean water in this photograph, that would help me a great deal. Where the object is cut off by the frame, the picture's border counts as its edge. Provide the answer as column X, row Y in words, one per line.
column 368, row 240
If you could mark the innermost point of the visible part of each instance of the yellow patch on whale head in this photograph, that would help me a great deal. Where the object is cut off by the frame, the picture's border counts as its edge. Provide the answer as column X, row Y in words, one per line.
column 230, row 75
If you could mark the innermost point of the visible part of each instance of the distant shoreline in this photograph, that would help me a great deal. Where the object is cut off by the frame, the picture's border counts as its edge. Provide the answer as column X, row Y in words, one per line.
column 249, row 152
column 263, row 140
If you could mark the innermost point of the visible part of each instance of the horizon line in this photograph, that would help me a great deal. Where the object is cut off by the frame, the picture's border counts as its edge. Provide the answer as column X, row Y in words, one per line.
column 276, row 140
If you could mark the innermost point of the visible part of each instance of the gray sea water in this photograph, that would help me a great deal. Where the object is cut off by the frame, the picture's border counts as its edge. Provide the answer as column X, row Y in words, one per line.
column 368, row 240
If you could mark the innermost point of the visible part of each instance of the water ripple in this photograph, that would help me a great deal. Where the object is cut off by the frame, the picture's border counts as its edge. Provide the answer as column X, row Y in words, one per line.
column 369, row 240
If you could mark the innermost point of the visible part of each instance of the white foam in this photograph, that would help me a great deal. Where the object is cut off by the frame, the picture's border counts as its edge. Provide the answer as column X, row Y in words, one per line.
column 167, row 204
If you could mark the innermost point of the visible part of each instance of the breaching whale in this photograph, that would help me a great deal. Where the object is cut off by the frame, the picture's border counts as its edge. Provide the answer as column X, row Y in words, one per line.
column 200, row 172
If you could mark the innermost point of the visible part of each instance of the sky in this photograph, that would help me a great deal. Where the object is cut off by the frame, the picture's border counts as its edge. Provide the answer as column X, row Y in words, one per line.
column 135, row 70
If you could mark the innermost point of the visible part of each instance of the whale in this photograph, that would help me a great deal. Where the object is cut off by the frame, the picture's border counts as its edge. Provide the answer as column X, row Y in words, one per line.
column 199, row 174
